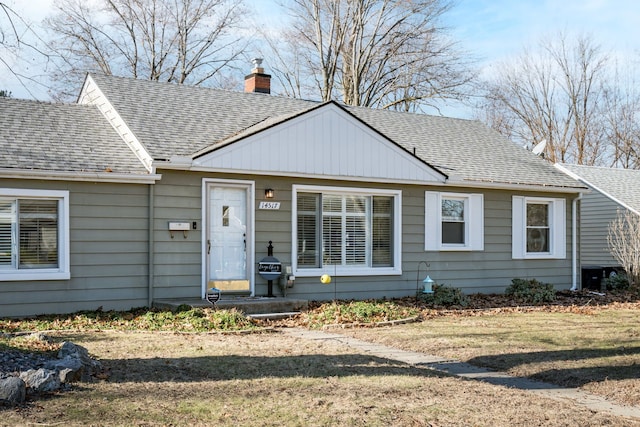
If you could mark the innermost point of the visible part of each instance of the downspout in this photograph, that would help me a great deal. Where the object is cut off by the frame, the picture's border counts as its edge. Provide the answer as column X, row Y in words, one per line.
column 574, row 242
column 150, row 255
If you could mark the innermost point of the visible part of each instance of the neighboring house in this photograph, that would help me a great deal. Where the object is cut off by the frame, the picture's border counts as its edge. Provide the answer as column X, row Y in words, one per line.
column 147, row 191
column 613, row 190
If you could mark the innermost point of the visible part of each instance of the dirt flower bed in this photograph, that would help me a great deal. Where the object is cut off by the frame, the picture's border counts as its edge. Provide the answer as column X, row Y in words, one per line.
column 583, row 302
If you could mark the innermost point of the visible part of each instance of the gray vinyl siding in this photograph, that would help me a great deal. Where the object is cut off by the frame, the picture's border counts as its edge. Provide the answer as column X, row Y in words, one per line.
column 108, row 252
column 491, row 270
column 488, row 271
column 177, row 260
column 596, row 213
column 177, row 269
column 109, row 231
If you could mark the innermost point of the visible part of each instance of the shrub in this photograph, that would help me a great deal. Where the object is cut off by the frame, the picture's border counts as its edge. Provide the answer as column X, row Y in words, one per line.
column 445, row 296
column 531, row 291
column 624, row 244
column 616, row 282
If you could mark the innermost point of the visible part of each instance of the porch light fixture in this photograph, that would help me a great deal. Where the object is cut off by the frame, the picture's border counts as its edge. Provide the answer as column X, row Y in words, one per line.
column 269, row 193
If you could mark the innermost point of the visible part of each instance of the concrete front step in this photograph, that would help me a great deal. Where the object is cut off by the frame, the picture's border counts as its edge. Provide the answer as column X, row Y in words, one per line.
column 248, row 305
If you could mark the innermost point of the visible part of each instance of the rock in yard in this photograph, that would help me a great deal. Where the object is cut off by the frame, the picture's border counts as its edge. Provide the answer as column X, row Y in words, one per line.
column 71, row 368
column 13, row 391
column 71, row 353
column 41, row 380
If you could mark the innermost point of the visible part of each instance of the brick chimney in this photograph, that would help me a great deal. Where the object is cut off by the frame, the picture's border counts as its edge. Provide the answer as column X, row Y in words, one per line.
column 257, row 81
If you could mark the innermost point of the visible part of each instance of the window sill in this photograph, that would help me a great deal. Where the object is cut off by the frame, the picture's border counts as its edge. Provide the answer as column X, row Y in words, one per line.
column 344, row 272
column 16, row 276
column 456, row 249
column 541, row 256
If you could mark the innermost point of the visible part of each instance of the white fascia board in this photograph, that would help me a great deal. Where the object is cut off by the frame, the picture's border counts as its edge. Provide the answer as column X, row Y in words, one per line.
column 596, row 188
column 79, row 176
column 302, row 175
column 516, row 187
column 449, row 183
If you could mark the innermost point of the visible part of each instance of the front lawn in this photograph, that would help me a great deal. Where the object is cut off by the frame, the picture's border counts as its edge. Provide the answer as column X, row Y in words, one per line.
column 162, row 369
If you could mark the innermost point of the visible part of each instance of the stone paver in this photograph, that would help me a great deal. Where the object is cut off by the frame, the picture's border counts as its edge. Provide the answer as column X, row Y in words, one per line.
column 465, row 370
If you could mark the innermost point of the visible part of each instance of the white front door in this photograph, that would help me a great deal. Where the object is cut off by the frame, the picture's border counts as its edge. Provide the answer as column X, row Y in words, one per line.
column 228, row 238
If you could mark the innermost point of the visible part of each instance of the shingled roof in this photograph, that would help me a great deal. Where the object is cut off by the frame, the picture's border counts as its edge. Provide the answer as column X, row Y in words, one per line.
column 175, row 120
column 620, row 185
column 40, row 136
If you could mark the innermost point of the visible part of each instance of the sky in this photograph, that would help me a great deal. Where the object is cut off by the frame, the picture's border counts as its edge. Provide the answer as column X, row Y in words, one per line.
column 491, row 30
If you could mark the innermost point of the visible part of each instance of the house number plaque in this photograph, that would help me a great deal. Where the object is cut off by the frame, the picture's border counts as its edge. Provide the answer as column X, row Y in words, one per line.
column 269, row 205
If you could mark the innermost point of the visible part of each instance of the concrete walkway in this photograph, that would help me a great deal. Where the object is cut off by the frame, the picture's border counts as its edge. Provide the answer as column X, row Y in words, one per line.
column 465, row 370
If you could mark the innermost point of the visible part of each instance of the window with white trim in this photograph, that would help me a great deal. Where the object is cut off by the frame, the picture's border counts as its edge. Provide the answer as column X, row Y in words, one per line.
column 454, row 221
column 351, row 231
column 538, row 228
column 33, row 235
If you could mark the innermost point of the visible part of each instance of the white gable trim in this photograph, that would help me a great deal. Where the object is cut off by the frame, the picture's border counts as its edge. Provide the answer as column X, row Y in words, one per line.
column 91, row 94
column 596, row 188
column 326, row 142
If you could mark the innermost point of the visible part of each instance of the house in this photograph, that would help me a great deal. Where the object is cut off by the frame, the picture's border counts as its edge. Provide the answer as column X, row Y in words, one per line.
column 613, row 190
column 147, row 191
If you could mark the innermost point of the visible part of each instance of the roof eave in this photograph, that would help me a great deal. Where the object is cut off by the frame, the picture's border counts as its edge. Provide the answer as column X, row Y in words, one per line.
column 546, row 188
column 122, row 178
column 596, row 188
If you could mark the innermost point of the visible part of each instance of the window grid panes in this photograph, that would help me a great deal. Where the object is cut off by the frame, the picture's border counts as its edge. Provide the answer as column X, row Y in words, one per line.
column 29, row 233
column 6, row 233
column 382, row 247
column 38, row 223
column 308, row 212
column 538, row 227
column 355, row 230
column 453, row 221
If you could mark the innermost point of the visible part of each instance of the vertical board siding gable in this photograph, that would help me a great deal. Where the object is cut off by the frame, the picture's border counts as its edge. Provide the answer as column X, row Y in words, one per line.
column 325, row 142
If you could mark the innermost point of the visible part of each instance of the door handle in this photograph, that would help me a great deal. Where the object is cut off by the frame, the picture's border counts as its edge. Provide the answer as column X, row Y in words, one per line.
column 244, row 239
column 208, row 246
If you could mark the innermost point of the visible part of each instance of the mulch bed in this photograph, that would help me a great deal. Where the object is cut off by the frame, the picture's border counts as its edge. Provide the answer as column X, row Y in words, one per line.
column 582, row 302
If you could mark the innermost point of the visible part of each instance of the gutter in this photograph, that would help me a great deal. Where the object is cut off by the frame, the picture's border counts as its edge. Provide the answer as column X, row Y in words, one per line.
column 449, row 183
column 518, row 187
column 574, row 242
column 122, row 178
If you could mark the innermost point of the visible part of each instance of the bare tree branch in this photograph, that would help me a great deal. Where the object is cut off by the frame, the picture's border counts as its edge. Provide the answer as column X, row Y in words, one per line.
column 564, row 93
column 378, row 53
column 17, row 36
column 182, row 41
